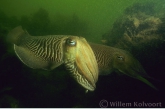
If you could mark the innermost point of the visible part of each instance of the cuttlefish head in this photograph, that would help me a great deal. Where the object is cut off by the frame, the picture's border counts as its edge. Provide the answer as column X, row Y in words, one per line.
column 125, row 63
column 80, row 60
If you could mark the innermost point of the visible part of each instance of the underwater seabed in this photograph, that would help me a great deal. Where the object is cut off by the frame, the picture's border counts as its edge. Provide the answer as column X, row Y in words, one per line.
column 37, row 88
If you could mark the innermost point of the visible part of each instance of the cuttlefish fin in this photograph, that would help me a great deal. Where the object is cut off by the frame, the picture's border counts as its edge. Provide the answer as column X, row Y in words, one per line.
column 31, row 60
column 30, row 53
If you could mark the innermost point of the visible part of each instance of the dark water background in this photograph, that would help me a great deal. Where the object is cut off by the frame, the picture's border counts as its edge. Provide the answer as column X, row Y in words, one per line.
column 21, row 86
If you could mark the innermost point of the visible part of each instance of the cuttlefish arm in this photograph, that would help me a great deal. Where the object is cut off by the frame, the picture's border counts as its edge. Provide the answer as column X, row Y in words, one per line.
column 112, row 59
column 48, row 52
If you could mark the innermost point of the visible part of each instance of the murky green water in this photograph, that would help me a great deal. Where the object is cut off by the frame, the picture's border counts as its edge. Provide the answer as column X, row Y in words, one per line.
column 98, row 14
column 99, row 21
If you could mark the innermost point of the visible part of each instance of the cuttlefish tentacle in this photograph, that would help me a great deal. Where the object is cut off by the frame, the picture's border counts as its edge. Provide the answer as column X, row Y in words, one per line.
column 112, row 59
column 48, row 52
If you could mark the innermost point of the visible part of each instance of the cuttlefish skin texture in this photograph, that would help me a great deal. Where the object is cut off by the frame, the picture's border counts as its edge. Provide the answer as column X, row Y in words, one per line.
column 112, row 59
column 49, row 52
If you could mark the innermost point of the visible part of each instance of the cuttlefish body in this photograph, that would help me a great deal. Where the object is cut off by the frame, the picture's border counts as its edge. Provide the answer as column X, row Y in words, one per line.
column 112, row 59
column 49, row 52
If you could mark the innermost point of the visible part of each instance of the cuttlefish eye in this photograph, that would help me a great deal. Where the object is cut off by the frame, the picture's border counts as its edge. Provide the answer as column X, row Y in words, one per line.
column 121, row 58
column 71, row 42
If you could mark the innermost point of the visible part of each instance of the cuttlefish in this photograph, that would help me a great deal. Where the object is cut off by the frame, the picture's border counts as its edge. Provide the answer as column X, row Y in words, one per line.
column 111, row 59
column 51, row 51
column 85, row 61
